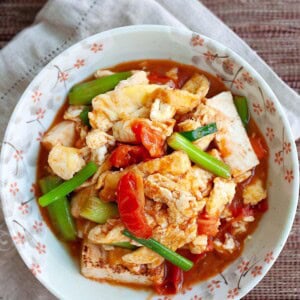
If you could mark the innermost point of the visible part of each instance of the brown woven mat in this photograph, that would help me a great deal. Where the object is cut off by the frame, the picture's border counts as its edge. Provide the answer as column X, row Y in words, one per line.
column 272, row 28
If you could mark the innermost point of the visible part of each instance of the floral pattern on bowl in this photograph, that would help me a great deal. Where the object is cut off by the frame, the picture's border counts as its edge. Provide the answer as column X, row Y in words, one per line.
column 44, row 255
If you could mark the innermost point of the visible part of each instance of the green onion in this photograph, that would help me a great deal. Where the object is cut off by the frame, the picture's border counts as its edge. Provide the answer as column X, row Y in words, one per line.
column 125, row 245
column 84, row 116
column 199, row 132
column 203, row 159
column 83, row 93
column 173, row 257
column 242, row 109
column 59, row 211
column 98, row 211
column 69, row 186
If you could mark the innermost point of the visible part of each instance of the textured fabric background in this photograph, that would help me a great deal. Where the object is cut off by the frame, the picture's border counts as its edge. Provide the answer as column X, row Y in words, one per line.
column 272, row 28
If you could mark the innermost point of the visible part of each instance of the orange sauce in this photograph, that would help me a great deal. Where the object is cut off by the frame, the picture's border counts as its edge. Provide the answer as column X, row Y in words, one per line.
column 213, row 262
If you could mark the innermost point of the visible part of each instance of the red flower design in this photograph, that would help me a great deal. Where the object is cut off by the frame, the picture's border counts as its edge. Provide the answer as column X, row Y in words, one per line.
column 256, row 271
column 40, row 113
column 196, row 297
column 289, row 176
column 96, row 47
column 37, row 226
column 19, row 238
column 270, row 133
column 214, row 284
column 14, row 188
column 238, row 84
column 18, row 155
column 40, row 136
column 247, row 77
column 35, row 269
column 269, row 257
column 197, row 40
column 243, row 266
column 63, row 76
column 209, row 56
column 24, row 208
column 270, row 106
column 185, row 290
column 41, row 248
column 278, row 157
column 36, row 96
column 287, row 147
column 257, row 108
column 79, row 63
column 228, row 65
column 33, row 188
column 232, row 293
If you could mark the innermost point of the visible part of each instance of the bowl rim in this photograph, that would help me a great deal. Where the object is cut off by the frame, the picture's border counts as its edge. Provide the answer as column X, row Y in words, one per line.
column 164, row 28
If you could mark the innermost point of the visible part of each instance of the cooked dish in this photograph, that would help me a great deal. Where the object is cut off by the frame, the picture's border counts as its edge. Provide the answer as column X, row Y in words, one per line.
column 154, row 174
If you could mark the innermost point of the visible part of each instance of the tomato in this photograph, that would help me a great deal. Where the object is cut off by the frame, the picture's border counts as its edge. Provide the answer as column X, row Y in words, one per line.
column 131, row 202
column 207, row 225
column 150, row 138
column 262, row 206
column 173, row 280
column 259, row 147
column 126, row 155
column 155, row 78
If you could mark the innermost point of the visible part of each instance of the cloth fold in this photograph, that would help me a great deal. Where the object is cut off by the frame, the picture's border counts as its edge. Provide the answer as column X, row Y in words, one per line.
column 62, row 23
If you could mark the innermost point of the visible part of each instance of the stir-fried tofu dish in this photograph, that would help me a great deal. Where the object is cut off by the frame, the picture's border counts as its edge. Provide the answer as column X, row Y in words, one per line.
column 154, row 174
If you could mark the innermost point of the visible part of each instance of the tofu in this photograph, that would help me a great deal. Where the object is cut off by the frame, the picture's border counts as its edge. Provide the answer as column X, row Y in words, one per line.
column 65, row 161
column 63, row 133
column 231, row 138
column 95, row 264
column 254, row 192
column 222, row 194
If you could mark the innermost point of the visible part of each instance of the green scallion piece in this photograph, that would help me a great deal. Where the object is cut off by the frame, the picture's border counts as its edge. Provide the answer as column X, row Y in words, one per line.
column 199, row 132
column 173, row 257
column 241, row 104
column 83, row 93
column 70, row 185
column 201, row 158
column 125, row 245
column 98, row 211
column 59, row 211
column 84, row 116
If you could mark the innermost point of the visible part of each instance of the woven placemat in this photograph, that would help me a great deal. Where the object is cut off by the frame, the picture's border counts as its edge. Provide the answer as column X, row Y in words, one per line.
column 270, row 27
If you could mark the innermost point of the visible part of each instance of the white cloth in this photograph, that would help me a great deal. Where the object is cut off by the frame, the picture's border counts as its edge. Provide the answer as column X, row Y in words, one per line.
column 62, row 23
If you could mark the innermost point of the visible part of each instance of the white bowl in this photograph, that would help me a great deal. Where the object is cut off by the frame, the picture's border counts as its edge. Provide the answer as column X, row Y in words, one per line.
column 44, row 255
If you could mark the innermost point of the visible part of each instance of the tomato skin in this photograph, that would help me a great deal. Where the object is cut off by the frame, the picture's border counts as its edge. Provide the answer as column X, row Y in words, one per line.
column 262, row 206
column 126, row 155
column 173, row 280
column 259, row 147
column 155, row 78
column 131, row 202
column 207, row 225
column 150, row 139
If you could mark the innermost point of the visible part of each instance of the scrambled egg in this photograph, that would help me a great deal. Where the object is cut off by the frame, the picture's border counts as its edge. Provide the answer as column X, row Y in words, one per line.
column 65, row 161
column 222, row 194
column 254, row 192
